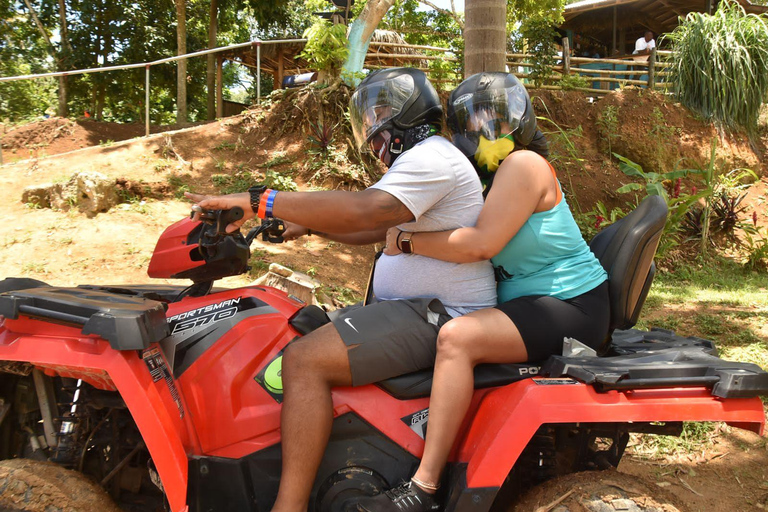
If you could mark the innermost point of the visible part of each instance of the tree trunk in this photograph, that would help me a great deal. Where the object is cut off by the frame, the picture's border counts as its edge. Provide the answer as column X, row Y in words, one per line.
column 64, row 54
column 56, row 55
column 210, row 76
column 360, row 33
column 181, row 73
column 485, row 35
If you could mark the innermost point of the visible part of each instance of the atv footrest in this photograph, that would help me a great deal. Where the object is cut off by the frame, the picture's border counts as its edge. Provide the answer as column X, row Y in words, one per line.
column 127, row 322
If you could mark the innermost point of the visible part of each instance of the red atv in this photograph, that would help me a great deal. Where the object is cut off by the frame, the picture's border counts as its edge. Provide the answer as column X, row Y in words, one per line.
column 170, row 396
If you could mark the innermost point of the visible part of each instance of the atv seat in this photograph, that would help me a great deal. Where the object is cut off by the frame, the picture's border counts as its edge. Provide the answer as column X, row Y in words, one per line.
column 625, row 249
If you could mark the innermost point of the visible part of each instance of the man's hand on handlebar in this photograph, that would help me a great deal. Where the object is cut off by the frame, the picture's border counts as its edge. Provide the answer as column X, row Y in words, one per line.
column 294, row 231
column 226, row 202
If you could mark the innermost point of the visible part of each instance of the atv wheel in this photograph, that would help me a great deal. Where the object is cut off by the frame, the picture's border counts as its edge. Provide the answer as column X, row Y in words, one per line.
column 32, row 486
column 598, row 491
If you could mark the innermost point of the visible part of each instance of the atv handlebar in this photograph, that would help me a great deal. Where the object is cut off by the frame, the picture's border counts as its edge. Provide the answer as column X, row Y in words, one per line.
column 271, row 230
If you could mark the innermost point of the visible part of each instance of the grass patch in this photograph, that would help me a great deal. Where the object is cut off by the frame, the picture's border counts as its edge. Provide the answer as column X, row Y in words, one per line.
column 693, row 439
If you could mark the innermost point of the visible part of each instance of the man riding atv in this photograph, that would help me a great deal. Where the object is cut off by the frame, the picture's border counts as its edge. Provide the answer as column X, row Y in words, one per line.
column 429, row 186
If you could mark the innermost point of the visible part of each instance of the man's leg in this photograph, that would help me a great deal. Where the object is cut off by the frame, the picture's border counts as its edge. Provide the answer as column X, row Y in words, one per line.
column 311, row 367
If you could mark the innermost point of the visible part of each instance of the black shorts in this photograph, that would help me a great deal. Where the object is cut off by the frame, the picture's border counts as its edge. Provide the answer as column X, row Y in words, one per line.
column 544, row 321
column 390, row 338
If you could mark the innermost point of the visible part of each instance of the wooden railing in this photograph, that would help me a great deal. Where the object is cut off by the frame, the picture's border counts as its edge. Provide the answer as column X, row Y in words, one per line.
column 601, row 75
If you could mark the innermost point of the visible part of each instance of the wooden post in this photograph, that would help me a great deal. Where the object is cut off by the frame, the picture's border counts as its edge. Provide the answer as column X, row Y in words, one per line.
column 219, row 86
column 280, row 69
column 566, row 57
column 651, row 69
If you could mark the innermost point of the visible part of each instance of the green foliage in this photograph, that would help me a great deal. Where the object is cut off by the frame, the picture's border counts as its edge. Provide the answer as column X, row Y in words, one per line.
column 278, row 181
column 521, row 10
column 571, row 82
column 720, row 65
column 326, row 47
column 321, row 138
column 540, row 35
column 608, row 120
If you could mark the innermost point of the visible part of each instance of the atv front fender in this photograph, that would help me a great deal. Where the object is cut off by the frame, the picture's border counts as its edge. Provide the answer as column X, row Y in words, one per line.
column 508, row 417
column 64, row 351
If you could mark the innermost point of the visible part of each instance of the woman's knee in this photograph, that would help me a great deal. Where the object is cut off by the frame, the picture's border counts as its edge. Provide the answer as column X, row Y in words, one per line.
column 455, row 339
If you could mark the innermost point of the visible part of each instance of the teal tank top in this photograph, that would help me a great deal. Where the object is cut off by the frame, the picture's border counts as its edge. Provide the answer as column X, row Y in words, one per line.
column 547, row 256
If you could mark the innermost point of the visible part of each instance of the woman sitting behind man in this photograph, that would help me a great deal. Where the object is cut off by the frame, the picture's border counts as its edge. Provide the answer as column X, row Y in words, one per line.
column 550, row 285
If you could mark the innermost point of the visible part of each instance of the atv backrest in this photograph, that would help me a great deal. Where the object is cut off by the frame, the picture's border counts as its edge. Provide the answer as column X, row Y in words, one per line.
column 626, row 249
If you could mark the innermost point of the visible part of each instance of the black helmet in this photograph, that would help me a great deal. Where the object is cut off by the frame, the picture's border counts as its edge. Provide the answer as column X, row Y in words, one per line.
column 492, row 105
column 393, row 99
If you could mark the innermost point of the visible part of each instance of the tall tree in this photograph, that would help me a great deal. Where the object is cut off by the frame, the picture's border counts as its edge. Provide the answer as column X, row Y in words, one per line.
column 59, row 54
column 181, row 65
column 485, row 34
column 210, row 75
column 360, row 33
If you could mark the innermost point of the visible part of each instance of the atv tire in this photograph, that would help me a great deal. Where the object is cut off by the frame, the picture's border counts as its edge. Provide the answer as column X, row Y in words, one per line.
column 598, row 491
column 33, row 486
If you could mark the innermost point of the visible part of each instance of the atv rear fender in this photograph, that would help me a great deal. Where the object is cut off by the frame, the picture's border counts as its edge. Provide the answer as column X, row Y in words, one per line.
column 508, row 417
column 65, row 351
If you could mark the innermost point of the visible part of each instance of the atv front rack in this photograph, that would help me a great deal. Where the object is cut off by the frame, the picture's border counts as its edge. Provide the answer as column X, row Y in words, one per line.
column 128, row 322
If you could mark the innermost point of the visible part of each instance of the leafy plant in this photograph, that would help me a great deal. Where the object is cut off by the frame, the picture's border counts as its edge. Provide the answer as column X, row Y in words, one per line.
column 654, row 181
column 572, row 82
column 326, row 47
column 540, row 35
column 608, row 120
column 321, row 137
column 757, row 248
column 720, row 64
column 277, row 181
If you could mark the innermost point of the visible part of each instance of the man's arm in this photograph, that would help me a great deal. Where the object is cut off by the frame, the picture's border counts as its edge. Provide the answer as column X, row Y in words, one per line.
column 337, row 212
column 294, row 231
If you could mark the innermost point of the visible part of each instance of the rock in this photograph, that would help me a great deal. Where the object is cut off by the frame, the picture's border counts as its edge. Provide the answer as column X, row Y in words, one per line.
column 89, row 192
column 38, row 195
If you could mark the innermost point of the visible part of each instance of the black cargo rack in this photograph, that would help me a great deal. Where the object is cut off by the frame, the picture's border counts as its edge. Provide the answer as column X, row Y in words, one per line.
column 659, row 359
column 128, row 322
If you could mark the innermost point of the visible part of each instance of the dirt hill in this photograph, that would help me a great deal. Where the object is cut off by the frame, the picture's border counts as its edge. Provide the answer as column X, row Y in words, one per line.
column 274, row 142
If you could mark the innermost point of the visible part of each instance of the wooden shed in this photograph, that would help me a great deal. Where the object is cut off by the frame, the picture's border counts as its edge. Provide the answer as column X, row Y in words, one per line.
column 616, row 24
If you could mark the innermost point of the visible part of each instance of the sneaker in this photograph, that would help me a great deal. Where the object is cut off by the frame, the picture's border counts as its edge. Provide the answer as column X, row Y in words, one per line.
column 407, row 497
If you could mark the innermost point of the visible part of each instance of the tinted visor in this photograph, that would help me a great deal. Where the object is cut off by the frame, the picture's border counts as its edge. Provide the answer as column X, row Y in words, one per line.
column 373, row 105
column 491, row 113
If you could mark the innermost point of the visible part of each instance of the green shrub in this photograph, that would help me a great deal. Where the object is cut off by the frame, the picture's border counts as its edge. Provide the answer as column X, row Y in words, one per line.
column 720, row 65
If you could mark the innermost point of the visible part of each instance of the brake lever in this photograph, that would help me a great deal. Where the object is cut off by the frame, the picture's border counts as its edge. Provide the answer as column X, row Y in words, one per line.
column 273, row 232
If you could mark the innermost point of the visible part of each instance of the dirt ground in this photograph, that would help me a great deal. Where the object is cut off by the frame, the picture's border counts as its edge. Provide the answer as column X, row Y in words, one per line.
column 66, row 248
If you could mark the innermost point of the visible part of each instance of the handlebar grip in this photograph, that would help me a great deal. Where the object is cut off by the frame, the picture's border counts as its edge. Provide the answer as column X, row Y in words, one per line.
column 227, row 217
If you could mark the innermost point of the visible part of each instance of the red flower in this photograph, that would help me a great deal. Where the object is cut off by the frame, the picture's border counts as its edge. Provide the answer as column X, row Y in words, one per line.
column 676, row 192
column 754, row 218
column 598, row 220
column 693, row 190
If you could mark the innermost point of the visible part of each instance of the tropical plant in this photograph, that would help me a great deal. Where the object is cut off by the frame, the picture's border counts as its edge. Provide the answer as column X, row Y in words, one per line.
column 608, row 121
column 720, row 65
column 540, row 36
column 326, row 46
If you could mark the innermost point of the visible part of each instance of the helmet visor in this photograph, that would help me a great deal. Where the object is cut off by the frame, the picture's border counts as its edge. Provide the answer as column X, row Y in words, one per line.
column 375, row 104
column 492, row 113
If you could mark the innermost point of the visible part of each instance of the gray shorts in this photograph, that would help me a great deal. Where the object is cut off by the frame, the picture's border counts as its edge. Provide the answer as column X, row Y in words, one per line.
column 390, row 338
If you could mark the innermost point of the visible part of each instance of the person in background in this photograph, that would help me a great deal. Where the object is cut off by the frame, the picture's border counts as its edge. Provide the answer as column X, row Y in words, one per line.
column 644, row 45
column 549, row 284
